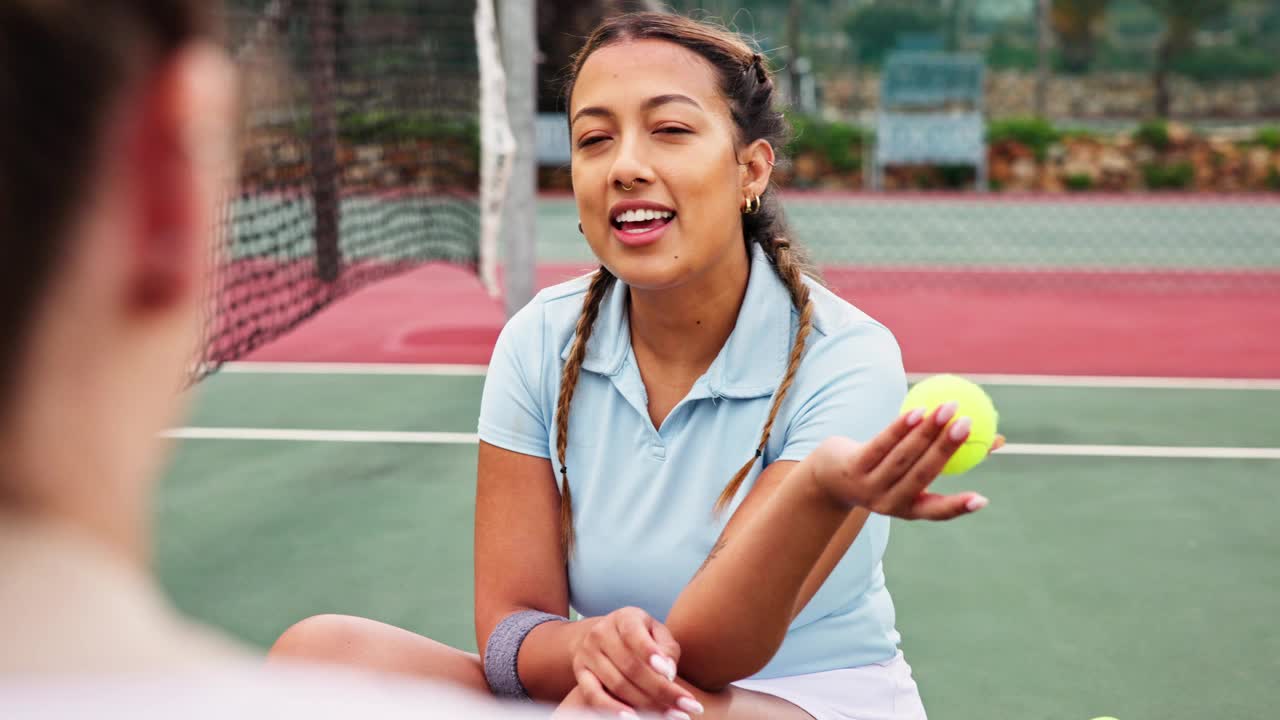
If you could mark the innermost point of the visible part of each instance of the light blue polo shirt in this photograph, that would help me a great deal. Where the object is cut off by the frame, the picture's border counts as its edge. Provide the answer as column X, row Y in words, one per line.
column 643, row 497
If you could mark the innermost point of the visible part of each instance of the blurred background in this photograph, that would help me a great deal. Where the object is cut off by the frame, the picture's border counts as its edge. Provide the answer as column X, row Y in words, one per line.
column 1076, row 203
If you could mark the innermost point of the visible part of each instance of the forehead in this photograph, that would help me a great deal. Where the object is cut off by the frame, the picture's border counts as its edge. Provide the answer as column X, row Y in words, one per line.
column 635, row 70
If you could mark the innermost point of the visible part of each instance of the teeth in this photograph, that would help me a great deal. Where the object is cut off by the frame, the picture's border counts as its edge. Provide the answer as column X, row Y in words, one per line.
column 642, row 215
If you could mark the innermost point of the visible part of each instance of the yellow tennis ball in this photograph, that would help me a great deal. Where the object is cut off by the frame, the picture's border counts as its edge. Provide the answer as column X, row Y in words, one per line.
column 974, row 403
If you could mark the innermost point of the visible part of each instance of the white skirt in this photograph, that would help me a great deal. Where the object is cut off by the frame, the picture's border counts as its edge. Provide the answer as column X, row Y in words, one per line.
column 879, row 691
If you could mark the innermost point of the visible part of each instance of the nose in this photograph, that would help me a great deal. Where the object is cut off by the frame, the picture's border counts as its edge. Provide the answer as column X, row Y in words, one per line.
column 629, row 165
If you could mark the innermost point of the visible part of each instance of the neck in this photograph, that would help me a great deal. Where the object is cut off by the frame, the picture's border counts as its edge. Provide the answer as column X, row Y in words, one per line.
column 115, row 524
column 685, row 326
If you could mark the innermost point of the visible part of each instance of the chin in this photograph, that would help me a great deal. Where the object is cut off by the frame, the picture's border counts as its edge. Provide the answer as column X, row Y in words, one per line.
column 650, row 271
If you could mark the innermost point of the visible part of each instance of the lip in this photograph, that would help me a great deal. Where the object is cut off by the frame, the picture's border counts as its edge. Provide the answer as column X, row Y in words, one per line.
column 644, row 238
column 626, row 205
column 648, row 237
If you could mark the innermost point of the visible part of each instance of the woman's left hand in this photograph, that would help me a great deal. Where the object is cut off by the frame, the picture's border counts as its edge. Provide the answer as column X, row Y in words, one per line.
column 891, row 473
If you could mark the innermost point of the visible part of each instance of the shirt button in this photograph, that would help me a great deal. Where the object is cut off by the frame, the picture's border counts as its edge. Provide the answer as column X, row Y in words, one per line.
column 659, row 451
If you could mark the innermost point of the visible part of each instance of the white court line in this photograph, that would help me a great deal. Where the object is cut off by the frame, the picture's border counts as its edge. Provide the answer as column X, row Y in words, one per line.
column 1087, row 381
column 447, row 438
column 330, row 436
column 322, row 368
column 1117, row 381
column 1143, row 451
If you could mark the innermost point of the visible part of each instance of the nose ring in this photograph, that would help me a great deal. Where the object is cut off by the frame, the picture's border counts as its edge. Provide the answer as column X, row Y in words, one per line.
column 627, row 188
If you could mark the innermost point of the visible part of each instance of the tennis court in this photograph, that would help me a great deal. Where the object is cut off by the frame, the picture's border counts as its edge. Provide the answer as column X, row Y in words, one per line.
column 1126, row 565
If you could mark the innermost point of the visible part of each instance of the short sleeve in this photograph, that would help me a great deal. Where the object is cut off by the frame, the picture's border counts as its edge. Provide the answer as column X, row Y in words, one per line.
column 853, row 386
column 512, row 414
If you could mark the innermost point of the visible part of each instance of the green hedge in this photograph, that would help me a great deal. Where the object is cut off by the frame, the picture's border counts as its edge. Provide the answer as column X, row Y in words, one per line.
column 374, row 127
column 840, row 143
column 1079, row 182
column 381, row 127
column 1177, row 176
column 1034, row 133
column 1154, row 134
column 1268, row 137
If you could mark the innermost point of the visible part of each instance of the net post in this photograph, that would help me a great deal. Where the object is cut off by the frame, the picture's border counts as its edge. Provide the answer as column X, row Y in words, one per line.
column 324, row 138
column 517, row 29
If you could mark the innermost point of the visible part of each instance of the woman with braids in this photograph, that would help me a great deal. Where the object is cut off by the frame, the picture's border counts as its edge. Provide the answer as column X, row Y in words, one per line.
column 698, row 446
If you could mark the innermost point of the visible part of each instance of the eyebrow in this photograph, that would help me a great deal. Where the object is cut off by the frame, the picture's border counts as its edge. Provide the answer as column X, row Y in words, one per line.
column 650, row 104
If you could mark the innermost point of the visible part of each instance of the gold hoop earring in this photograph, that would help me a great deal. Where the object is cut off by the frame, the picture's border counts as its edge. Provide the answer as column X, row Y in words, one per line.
column 752, row 206
column 626, row 187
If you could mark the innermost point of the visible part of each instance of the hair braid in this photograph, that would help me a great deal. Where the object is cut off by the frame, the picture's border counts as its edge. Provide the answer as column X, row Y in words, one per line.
column 600, row 283
column 792, row 273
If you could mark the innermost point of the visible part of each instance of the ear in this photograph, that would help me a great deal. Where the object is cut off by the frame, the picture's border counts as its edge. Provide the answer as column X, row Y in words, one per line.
column 756, row 165
column 180, row 160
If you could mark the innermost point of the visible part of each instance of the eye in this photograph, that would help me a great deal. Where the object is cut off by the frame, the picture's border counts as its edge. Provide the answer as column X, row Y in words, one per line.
column 675, row 130
column 586, row 142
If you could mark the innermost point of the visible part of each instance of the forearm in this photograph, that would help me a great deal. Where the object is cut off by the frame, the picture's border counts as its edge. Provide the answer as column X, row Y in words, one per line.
column 733, row 615
column 545, row 662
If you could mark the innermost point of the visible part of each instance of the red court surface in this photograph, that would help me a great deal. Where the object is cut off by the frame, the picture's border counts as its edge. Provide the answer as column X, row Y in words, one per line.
column 1071, row 324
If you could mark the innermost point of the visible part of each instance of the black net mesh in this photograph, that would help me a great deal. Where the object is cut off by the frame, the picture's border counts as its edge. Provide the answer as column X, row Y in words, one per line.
column 360, row 157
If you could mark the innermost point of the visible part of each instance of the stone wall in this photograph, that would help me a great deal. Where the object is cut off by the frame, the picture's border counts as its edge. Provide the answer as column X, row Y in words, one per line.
column 1115, row 95
column 1109, row 163
column 270, row 160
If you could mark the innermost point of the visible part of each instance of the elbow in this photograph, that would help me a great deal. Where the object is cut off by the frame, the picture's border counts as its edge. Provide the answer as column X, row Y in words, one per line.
column 712, row 655
column 710, row 675
column 713, row 682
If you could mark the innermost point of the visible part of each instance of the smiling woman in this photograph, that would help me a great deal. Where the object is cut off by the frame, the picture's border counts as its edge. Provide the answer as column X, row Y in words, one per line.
column 697, row 447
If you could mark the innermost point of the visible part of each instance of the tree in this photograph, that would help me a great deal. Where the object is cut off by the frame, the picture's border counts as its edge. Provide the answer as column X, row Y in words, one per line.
column 1076, row 23
column 875, row 30
column 1181, row 20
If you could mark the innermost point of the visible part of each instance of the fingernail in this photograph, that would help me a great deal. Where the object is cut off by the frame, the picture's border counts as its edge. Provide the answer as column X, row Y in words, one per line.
column 915, row 417
column 976, row 503
column 945, row 413
column 628, row 715
column 691, row 706
column 676, row 715
column 665, row 667
column 960, row 429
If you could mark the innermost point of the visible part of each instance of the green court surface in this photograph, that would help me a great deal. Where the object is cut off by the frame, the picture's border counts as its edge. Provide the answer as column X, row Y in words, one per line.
column 1137, row 587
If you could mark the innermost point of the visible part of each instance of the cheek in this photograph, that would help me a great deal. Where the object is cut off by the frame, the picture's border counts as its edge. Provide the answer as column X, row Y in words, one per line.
column 586, row 192
column 709, row 194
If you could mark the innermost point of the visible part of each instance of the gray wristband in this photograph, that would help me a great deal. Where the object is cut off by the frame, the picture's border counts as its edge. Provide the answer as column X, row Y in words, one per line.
column 503, row 650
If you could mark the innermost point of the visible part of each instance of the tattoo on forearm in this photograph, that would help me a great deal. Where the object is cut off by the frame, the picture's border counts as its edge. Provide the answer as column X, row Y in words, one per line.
column 715, row 550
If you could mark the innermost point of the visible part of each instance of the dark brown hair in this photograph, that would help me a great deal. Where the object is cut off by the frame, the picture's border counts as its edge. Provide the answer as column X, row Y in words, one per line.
column 62, row 63
column 745, row 81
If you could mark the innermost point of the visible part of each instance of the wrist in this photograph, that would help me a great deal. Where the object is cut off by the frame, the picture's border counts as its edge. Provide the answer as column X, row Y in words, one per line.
column 503, row 650
column 578, row 633
column 824, row 475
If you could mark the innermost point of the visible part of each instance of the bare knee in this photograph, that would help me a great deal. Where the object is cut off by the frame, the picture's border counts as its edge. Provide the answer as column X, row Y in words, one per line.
column 322, row 638
column 370, row 645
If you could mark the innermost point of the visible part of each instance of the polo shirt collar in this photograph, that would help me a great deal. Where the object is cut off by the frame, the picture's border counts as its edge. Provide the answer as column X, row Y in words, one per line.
column 753, row 359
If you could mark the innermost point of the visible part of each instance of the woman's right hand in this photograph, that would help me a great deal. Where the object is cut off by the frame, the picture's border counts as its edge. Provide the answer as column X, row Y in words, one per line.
column 625, row 662
column 890, row 474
